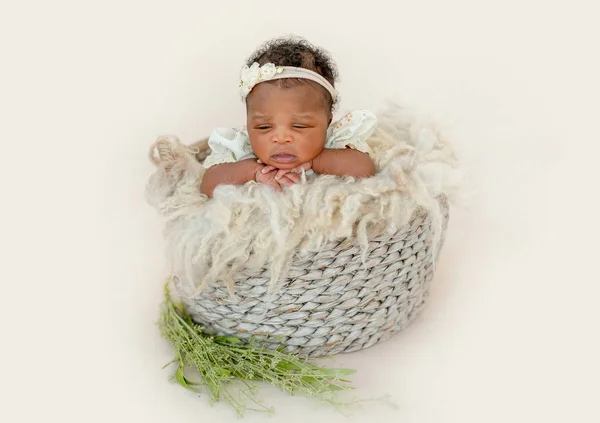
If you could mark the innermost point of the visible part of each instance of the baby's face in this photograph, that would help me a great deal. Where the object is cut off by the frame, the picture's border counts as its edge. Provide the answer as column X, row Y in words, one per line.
column 287, row 126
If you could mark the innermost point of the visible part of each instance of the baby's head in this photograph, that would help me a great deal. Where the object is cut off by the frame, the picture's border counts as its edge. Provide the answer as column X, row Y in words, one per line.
column 288, row 117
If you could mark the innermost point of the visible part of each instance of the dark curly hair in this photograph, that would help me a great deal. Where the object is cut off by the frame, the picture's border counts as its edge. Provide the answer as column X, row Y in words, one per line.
column 298, row 52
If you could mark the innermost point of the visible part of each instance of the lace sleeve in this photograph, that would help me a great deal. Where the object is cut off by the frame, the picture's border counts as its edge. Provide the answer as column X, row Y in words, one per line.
column 227, row 145
column 352, row 131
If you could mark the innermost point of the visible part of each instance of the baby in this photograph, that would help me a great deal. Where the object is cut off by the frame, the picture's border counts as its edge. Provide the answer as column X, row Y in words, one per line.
column 288, row 88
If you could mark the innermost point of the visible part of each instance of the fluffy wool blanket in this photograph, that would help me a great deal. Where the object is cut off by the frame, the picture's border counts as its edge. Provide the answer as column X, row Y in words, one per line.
column 251, row 227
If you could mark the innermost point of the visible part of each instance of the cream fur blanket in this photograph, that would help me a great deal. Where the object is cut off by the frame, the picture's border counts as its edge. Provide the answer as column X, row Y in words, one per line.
column 246, row 228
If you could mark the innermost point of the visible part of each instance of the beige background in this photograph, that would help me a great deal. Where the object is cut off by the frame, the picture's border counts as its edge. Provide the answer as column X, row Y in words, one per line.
column 511, row 332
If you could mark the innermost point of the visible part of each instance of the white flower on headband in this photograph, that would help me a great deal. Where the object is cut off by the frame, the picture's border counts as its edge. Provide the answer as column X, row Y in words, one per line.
column 252, row 75
column 268, row 71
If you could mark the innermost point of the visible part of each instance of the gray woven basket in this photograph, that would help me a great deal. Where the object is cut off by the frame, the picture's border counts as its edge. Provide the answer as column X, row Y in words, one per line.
column 330, row 302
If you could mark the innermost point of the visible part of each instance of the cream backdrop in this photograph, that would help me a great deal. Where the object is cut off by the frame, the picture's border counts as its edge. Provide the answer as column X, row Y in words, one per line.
column 511, row 331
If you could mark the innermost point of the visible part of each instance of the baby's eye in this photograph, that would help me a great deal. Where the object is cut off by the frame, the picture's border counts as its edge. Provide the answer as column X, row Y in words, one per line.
column 298, row 126
column 263, row 127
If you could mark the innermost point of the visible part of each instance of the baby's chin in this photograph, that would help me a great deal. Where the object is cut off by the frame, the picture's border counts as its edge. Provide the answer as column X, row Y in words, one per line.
column 284, row 166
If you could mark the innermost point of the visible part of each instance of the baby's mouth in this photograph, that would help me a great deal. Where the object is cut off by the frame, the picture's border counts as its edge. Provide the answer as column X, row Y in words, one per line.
column 283, row 158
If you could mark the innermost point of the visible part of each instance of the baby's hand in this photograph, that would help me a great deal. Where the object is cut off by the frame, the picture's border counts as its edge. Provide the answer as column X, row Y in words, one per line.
column 267, row 178
column 286, row 177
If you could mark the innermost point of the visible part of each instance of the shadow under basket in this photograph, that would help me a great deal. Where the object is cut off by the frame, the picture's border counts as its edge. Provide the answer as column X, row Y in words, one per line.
column 329, row 302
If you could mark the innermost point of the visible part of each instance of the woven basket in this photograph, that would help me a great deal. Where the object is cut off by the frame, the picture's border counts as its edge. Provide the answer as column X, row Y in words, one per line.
column 329, row 302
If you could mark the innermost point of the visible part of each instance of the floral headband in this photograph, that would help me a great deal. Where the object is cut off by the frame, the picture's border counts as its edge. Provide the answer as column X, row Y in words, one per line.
column 255, row 74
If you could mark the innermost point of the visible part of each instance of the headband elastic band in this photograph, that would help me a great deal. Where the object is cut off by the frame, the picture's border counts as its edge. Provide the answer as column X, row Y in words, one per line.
column 255, row 74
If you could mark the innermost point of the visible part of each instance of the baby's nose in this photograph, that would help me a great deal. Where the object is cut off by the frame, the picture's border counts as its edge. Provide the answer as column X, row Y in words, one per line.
column 283, row 136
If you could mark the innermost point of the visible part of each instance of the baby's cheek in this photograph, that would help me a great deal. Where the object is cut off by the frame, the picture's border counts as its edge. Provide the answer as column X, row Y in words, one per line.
column 316, row 147
column 259, row 149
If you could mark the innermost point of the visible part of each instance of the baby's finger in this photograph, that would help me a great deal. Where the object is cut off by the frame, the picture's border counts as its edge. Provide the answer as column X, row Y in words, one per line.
column 259, row 161
column 267, row 169
column 280, row 174
column 294, row 177
column 285, row 181
column 303, row 166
